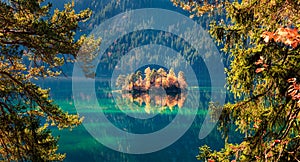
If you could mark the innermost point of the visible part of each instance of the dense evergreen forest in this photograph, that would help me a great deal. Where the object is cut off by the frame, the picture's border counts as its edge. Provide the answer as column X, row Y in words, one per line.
column 258, row 41
column 262, row 38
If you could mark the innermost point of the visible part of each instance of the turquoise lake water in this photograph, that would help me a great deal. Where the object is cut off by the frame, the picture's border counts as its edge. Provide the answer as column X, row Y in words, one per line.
column 121, row 111
column 80, row 145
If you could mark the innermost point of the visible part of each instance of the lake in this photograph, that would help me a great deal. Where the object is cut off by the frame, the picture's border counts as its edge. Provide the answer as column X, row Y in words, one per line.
column 107, row 110
column 80, row 145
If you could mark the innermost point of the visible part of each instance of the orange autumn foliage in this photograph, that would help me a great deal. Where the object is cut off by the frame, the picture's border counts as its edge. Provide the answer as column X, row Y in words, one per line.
column 288, row 36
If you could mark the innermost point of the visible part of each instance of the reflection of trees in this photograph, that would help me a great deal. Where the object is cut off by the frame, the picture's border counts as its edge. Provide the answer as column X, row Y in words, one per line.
column 156, row 102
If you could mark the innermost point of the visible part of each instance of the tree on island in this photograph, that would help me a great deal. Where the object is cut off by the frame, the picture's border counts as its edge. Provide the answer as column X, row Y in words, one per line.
column 135, row 82
column 261, row 40
column 34, row 44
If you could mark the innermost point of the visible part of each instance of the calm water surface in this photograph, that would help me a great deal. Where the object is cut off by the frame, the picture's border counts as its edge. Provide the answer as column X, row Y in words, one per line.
column 81, row 146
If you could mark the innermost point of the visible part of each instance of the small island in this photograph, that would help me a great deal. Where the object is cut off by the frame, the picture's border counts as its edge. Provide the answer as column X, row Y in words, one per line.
column 153, row 80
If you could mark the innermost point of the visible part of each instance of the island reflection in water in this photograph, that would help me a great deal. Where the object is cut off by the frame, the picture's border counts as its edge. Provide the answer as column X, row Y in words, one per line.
column 151, row 103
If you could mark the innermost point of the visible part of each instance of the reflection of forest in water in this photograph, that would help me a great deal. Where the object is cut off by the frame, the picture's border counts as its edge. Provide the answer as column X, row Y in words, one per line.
column 153, row 103
column 81, row 146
